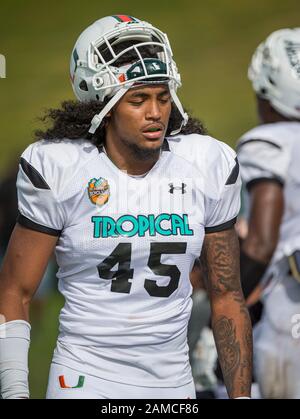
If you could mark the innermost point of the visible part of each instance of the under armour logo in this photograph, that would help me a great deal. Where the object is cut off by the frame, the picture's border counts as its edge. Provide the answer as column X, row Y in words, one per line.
column 177, row 188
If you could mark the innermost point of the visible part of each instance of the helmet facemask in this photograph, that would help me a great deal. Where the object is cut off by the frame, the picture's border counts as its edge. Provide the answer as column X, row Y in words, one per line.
column 129, row 55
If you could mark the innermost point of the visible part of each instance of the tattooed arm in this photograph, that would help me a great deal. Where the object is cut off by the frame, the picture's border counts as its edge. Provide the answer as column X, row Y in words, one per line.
column 230, row 319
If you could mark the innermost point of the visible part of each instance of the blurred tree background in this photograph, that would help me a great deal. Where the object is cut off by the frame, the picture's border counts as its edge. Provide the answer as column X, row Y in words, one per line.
column 212, row 42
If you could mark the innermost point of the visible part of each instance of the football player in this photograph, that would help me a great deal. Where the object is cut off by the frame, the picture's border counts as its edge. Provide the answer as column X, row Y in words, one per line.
column 269, row 156
column 128, row 204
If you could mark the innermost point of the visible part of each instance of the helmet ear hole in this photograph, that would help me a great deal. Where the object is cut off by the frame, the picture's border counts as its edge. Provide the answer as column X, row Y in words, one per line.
column 83, row 86
column 263, row 91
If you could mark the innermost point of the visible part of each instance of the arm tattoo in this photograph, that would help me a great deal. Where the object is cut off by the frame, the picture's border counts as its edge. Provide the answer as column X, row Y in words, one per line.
column 228, row 349
column 221, row 247
column 230, row 318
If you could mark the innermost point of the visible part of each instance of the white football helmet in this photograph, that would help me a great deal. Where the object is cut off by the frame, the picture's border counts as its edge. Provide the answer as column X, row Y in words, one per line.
column 94, row 71
column 275, row 71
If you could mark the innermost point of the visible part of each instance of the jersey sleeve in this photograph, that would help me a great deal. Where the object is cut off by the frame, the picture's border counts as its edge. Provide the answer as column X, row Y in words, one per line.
column 38, row 192
column 263, row 160
column 223, row 205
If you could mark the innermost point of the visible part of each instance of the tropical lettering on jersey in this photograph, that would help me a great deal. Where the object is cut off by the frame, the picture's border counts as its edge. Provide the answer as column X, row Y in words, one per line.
column 130, row 226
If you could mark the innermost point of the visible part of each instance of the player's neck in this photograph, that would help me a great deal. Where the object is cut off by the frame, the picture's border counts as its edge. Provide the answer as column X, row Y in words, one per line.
column 267, row 114
column 127, row 160
column 271, row 119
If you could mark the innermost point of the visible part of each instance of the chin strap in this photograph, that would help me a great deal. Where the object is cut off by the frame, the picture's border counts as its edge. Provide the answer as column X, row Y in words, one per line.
column 184, row 115
column 97, row 119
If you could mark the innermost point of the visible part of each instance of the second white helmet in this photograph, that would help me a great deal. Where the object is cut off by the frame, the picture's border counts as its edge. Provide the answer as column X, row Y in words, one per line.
column 275, row 71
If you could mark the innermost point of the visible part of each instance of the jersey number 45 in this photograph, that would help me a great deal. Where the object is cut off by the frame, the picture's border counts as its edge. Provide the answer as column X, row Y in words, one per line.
column 122, row 256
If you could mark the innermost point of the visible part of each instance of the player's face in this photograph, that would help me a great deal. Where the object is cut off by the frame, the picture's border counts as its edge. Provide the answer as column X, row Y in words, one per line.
column 141, row 117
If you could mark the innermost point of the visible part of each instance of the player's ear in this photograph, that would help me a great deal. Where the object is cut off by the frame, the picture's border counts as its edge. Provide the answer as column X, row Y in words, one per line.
column 107, row 118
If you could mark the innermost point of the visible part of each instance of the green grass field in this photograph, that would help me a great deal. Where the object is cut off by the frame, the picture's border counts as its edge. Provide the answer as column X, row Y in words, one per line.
column 212, row 43
column 43, row 338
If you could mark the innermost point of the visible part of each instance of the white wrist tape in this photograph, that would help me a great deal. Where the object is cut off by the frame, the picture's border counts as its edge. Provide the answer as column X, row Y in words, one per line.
column 14, row 346
column 236, row 398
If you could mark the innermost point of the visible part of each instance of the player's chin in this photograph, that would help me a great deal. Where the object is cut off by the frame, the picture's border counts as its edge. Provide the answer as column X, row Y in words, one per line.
column 152, row 142
column 146, row 150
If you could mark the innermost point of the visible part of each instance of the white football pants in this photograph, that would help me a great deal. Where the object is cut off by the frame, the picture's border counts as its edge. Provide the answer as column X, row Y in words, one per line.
column 66, row 383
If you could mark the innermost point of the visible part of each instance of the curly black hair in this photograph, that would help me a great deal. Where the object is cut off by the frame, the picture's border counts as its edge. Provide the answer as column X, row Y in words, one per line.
column 73, row 119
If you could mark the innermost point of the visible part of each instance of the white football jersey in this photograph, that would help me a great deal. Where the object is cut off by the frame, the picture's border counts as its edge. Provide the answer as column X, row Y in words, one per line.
column 126, row 247
column 272, row 151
